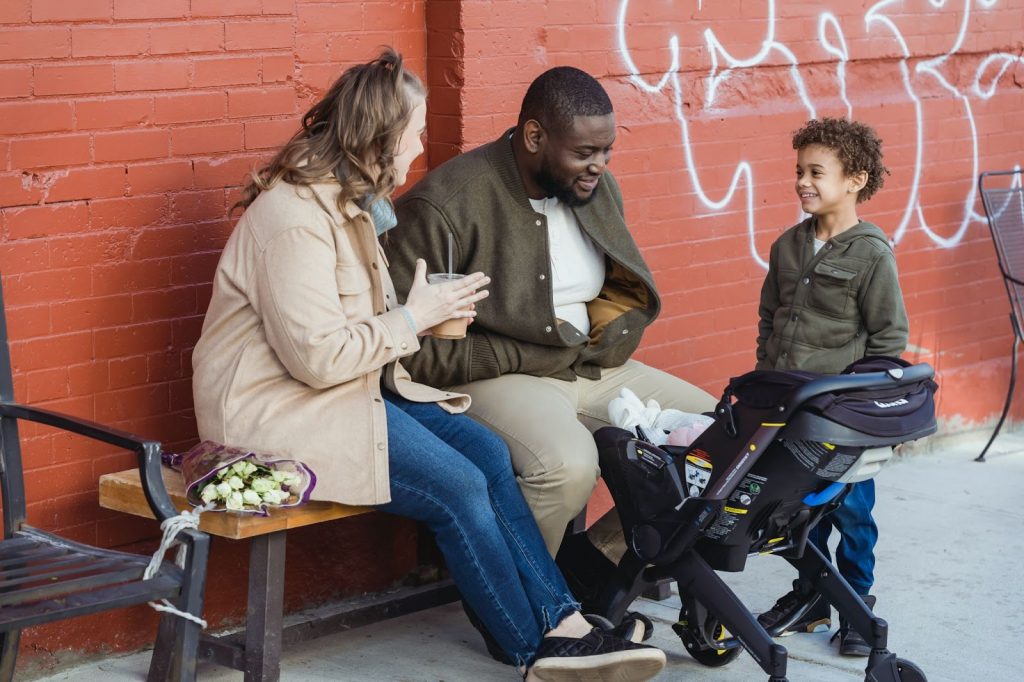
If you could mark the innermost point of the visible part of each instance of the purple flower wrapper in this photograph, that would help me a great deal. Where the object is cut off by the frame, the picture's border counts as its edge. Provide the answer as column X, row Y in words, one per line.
column 200, row 465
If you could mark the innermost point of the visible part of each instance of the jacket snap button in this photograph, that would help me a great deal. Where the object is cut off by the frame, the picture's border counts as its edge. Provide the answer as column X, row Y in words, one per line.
column 807, row 280
column 828, row 246
column 404, row 345
column 542, row 277
column 538, row 223
column 625, row 331
column 373, row 265
column 380, row 446
column 785, row 354
column 548, row 328
column 795, row 317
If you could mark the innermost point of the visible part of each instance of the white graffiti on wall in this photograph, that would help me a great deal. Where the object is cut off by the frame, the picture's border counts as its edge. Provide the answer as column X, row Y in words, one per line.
column 878, row 21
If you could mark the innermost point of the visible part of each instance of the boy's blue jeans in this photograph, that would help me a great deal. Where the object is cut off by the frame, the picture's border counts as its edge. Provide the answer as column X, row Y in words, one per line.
column 855, row 555
column 456, row 476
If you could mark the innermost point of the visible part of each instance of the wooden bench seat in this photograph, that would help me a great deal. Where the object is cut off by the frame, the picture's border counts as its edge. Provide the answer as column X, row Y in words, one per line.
column 257, row 650
column 122, row 491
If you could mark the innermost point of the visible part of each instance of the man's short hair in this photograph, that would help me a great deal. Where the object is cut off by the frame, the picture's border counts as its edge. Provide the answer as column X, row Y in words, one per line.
column 559, row 95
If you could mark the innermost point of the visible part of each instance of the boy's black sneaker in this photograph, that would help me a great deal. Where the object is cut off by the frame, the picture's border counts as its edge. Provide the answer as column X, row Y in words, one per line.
column 597, row 656
column 850, row 641
column 810, row 610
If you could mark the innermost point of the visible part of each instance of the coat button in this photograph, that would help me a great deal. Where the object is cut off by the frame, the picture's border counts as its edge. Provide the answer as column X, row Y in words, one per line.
column 542, row 277
column 625, row 331
column 795, row 316
column 539, row 223
column 547, row 328
column 380, row 446
column 373, row 265
column 828, row 246
column 785, row 355
column 404, row 345
column 807, row 280
column 387, row 296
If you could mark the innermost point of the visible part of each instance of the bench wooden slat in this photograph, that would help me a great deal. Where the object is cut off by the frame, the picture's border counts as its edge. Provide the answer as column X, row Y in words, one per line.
column 62, row 570
column 38, row 565
column 27, row 554
column 111, row 573
column 126, row 594
column 122, row 491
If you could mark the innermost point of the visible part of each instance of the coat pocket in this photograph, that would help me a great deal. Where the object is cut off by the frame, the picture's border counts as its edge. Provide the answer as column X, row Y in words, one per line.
column 830, row 292
column 351, row 279
column 354, row 291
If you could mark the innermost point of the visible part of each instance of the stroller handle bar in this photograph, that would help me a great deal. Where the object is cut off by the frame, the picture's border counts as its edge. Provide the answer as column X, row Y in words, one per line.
column 840, row 383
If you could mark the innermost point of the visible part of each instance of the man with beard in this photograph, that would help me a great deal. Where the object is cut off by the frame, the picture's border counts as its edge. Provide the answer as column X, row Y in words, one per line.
column 539, row 212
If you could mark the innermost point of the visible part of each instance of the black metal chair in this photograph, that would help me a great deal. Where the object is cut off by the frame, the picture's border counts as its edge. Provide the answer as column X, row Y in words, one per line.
column 1003, row 198
column 45, row 578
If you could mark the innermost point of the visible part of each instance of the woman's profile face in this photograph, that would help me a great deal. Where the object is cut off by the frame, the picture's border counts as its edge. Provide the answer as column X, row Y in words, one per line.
column 410, row 145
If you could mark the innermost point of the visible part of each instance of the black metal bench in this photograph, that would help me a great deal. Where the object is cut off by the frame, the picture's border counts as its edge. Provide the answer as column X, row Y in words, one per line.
column 44, row 577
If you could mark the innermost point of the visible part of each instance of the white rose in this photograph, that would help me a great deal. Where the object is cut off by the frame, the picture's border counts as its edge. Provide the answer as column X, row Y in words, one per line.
column 235, row 501
column 223, row 489
column 238, row 467
column 209, row 493
column 272, row 497
column 262, row 485
column 249, row 468
column 236, row 483
column 279, row 476
column 251, row 497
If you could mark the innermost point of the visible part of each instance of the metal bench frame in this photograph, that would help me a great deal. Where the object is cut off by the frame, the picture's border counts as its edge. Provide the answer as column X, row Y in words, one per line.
column 45, row 578
column 1004, row 208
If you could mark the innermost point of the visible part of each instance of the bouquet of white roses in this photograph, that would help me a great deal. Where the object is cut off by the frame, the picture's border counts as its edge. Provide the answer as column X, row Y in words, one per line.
column 221, row 478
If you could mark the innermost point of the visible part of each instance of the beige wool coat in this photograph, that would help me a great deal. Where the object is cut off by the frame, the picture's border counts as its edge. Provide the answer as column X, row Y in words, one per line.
column 301, row 330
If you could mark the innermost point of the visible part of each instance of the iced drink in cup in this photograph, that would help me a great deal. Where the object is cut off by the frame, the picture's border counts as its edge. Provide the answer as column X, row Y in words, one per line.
column 454, row 328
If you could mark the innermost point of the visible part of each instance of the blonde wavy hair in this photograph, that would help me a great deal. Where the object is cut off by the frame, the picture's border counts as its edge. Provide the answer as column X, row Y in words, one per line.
column 351, row 134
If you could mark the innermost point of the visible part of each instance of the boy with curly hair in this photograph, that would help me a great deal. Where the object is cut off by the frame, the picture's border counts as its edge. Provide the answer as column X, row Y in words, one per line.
column 831, row 297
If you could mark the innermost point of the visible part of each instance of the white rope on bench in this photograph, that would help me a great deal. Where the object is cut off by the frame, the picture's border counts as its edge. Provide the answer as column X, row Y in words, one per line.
column 171, row 527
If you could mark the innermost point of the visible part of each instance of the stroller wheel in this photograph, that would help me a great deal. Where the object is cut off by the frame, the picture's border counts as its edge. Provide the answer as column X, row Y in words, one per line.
column 909, row 672
column 698, row 642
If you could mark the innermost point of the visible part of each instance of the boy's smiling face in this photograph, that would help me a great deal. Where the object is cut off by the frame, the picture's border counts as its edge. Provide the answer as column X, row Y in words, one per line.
column 822, row 186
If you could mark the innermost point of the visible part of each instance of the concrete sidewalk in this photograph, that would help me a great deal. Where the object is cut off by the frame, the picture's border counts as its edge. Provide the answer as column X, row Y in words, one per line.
column 948, row 578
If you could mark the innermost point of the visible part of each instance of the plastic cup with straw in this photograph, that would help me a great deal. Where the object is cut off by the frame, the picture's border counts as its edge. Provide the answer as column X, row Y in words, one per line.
column 455, row 328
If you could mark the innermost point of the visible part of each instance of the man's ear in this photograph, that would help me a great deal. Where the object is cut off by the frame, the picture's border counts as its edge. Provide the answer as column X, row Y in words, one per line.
column 857, row 181
column 533, row 136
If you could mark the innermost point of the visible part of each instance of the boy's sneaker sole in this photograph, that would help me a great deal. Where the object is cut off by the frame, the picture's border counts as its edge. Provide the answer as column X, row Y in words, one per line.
column 819, row 625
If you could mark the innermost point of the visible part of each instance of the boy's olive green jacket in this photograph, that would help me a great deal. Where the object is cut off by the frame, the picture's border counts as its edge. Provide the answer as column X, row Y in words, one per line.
column 479, row 199
column 821, row 312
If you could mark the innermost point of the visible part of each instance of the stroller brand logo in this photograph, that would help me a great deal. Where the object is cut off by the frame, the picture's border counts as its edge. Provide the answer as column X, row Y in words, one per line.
column 895, row 403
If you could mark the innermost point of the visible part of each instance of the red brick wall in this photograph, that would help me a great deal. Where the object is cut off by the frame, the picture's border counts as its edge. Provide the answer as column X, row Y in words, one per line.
column 126, row 127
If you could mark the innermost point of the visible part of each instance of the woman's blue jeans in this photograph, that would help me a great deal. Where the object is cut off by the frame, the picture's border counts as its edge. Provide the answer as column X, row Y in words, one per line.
column 855, row 554
column 456, row 476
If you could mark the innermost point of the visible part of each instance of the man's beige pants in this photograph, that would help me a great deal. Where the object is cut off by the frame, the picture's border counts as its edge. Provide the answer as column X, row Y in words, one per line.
column 547, row 424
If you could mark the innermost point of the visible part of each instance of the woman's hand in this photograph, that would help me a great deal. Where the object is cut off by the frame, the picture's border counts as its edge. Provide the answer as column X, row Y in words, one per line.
column 432, row 304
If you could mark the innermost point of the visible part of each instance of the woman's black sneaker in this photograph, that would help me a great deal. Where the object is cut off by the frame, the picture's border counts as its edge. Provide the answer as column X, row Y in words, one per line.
column 599, row 656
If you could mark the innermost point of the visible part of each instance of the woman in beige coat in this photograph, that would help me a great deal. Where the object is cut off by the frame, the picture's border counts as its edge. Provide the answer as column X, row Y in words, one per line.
column 300, row 357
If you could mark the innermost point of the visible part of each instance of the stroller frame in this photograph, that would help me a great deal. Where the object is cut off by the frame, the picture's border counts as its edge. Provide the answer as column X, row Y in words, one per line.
column 708, row 601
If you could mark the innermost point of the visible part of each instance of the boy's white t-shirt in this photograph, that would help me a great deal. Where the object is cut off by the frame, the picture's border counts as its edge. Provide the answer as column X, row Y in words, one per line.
column 817, row 245
column 577, row 264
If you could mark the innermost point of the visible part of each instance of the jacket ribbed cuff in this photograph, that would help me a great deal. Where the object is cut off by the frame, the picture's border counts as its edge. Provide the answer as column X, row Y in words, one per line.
column 483, row 363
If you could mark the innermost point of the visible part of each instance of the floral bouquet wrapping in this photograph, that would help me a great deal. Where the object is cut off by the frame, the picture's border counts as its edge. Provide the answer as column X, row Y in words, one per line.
column 220, row 477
